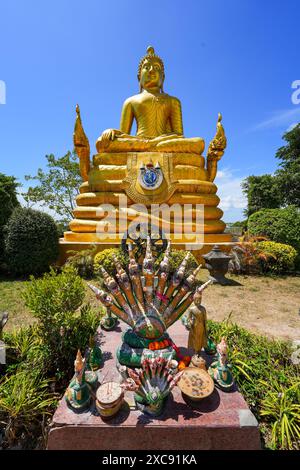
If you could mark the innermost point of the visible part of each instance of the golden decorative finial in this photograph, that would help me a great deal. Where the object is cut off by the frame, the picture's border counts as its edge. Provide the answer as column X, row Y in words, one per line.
column 216, row 149
column 82, row 146
column 79, row 362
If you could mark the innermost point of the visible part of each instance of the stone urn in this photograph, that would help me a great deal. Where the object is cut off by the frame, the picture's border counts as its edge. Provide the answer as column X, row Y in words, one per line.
column 217, row 262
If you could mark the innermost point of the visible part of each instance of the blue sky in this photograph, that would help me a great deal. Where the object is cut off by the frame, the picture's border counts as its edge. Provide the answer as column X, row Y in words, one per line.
column 239, row 57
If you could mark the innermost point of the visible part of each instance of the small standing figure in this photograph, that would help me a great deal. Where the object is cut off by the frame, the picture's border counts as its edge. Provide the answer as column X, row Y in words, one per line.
column 195, row 320
column 219, row 370
column 78, row 394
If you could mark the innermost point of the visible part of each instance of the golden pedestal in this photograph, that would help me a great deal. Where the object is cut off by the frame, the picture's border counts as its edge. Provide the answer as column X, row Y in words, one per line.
column 115, row 186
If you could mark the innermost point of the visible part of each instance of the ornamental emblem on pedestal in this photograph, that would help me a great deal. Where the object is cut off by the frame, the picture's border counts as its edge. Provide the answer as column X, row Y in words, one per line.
column 150, row 176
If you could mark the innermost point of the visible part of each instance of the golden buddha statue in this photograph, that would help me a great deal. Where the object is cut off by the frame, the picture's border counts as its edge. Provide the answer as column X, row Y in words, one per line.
column 158, row 117
column 157, row 165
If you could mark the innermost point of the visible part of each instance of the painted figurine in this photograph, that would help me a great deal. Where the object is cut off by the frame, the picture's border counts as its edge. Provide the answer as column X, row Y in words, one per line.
column 109, row 321
column 195, row 320
column 219, row 370
column 78, row 394
column 95, row 358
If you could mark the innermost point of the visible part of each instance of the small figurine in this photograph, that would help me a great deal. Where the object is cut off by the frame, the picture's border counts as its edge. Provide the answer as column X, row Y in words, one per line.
column 152, row 384
column 219, row 370
column 78, row 394
column 95, row 358
column 109, row 321
column 195, row 321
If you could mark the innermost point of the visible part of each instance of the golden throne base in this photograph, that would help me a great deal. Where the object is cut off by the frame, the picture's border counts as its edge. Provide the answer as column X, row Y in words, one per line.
column 186, row 181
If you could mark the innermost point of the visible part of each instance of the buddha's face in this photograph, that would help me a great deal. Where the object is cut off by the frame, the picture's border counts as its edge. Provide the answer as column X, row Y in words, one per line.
column 151, row 74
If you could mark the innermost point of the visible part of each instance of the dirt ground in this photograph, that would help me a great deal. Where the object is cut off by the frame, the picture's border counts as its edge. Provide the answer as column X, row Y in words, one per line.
column 264, row 305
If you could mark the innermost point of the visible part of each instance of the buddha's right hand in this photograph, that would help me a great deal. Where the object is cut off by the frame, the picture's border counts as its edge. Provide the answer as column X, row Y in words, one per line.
column 109, row 134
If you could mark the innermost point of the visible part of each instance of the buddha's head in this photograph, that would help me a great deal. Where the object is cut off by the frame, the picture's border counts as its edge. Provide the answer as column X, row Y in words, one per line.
column 151, row 72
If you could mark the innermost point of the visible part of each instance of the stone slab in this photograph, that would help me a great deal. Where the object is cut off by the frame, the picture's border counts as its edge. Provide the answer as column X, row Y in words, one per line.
column 221, row 421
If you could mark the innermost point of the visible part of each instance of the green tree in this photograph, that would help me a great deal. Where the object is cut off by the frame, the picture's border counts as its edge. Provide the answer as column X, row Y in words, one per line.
column 8, row 202
column 288, row 175
column 58, row 187
column 262, row 192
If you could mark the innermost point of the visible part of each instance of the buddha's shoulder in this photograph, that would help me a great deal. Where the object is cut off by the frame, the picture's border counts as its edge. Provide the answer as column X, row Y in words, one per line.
column 132, row 99
column 173, row 99
column 140, row 97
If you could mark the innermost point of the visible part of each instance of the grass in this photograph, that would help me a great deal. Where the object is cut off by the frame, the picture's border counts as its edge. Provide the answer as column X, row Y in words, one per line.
column 12, row 302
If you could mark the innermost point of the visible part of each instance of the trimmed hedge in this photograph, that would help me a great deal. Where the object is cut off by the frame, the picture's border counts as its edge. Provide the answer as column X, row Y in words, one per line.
column 106, row 259
column 280, row 225
column 280, row 258
column 31, row 242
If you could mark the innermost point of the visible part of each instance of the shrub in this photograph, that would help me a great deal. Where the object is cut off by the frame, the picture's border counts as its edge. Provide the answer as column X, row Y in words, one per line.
column 8, row 202
column 106, row 259
column 279, row 225
column 64, row 324
column 176, row 258
column 83, row 261
column 246, row 257
column 31, row 241
column 280, row 258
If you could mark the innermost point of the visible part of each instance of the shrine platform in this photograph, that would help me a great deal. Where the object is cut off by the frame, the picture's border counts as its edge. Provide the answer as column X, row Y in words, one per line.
column 221, row 421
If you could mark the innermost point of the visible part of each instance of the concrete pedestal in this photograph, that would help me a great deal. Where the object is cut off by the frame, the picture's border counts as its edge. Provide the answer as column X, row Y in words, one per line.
column 221, row 421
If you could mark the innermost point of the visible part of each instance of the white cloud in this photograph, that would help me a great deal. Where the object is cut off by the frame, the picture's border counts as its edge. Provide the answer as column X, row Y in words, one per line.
column 278, row 118
column 291, row 127
column 233, row 201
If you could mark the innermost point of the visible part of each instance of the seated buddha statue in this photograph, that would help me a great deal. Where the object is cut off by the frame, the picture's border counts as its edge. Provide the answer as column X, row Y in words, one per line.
column 157, row 165
column 158, row 117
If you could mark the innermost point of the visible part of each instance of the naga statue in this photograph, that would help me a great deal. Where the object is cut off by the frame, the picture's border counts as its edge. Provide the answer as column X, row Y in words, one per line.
column 158, row 165
column 149, row 302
